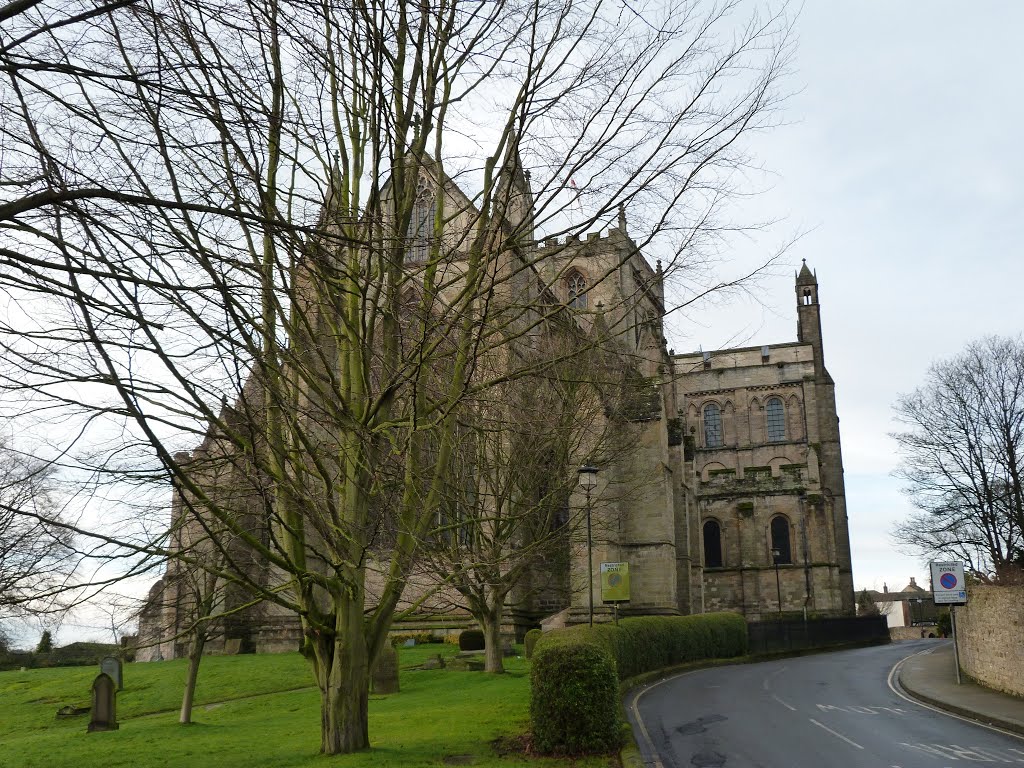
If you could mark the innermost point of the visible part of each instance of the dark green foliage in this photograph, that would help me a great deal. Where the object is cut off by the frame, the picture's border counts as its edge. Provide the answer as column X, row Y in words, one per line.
column 637, row 645
column 945, row 623
column 421, row 638
column 675, row 431
column 531, row 640
column 471, row 640
column 640, row 397
column 574, row 702
column 45, row 642
column 646, row 643
column 77, row 655
column 865, row 605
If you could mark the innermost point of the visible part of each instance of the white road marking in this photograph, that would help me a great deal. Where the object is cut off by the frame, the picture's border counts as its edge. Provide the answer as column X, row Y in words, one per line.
column 972, row 754
column 765, row 685
column 634, row 706
column 836, row 734
column 857, row 710
column 895, row 689
column 783, row 703
column 779, row 671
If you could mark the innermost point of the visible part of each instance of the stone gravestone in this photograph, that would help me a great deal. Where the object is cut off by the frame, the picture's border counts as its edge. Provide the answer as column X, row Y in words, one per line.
column 104, row 698
column 111, row 665
column 434, row 662
column 384, row 674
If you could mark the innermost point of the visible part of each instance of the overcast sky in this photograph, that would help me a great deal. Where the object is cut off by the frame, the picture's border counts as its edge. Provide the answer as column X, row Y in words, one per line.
column 902, row 162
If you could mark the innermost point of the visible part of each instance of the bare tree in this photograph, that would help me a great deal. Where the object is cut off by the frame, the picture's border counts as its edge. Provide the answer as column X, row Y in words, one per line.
column 507, row 527
column 290, row 232
column 963, row 458
column 37, row 556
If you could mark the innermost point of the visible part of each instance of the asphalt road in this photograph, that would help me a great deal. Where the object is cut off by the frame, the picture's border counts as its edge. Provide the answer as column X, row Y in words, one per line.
column 832, row 710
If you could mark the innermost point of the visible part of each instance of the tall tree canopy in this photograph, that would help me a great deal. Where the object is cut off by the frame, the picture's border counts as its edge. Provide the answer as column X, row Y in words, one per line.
column 963, row 459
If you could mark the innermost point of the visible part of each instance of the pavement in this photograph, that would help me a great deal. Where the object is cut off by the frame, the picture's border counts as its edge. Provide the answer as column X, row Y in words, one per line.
column 930, row 676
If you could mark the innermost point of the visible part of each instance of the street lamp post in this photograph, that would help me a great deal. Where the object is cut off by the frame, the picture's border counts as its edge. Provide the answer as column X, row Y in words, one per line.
column 588, row 481
column 776, row 554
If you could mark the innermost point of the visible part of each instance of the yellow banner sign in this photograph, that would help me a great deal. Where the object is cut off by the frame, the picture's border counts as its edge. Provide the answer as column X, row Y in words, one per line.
column 615, row 582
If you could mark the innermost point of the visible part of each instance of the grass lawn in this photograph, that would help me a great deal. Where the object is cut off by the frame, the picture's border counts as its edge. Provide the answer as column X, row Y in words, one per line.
column 256, row 711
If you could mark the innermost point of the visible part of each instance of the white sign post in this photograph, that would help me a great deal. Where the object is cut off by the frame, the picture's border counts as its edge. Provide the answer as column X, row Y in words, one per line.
column 949, row 588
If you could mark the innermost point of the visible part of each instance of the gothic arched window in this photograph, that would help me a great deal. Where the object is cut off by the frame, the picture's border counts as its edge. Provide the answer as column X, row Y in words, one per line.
column 576, row 289
column 712, row 425
column 712, row 544
column 421, row 224
column 775, row 419
column 782, row 553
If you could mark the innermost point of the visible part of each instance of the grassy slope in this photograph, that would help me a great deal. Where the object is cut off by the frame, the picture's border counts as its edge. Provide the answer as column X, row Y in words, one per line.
column 438, row 714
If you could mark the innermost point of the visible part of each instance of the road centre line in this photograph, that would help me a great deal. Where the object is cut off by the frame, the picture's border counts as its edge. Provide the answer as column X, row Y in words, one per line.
column 779, row 671
column 783, row 703
column 836, row 734
column 765, row 685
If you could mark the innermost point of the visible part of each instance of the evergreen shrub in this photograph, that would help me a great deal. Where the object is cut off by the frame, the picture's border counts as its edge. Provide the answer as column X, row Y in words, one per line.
column 471, row 640
column 638, row 645
column 574, row 700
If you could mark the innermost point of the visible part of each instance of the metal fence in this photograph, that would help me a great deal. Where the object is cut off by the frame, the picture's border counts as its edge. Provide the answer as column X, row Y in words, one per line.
column 798, row 635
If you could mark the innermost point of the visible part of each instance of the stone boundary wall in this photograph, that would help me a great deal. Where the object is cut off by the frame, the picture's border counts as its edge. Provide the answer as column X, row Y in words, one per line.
column 913, row 633
column 990, row 634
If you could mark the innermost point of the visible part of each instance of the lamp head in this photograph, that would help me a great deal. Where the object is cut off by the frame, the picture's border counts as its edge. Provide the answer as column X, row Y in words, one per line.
column 588, row 477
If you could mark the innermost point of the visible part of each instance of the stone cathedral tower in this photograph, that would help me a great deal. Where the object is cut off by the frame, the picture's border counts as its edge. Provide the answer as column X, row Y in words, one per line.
column 763, row 432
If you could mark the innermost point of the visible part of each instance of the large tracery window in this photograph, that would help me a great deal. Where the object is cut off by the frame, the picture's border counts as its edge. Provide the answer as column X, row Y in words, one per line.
column 775, row 418
column 712, row 544
column 576, row 288
column 712, row 426
column 421, row 224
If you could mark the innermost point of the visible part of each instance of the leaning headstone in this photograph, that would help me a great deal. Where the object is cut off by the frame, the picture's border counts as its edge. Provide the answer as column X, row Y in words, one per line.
column 464, row 664
column 111, row 665
column 384, row 675
column 410, row 643
column 70, row 710
column 104, row 709
column 433, row 662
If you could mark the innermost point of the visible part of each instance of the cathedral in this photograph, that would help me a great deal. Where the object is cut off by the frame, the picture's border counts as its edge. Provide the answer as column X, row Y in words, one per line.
column 731, row 498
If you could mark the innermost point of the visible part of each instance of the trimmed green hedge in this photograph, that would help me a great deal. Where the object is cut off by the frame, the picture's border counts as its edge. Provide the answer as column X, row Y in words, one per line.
column 471, row 640
column 574, row 702
column 637, row 645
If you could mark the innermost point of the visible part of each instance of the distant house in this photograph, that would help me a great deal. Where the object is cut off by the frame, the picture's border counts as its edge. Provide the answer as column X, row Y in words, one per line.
column 910, row 607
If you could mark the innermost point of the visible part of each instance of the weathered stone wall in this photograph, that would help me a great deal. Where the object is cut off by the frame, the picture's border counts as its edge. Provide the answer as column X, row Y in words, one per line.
column 913, row 633
column 990, row 634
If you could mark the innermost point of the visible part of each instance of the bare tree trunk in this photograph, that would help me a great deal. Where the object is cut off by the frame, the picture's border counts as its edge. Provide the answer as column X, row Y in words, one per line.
column 493, row 659
column 341, row 665
column 195, row 655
